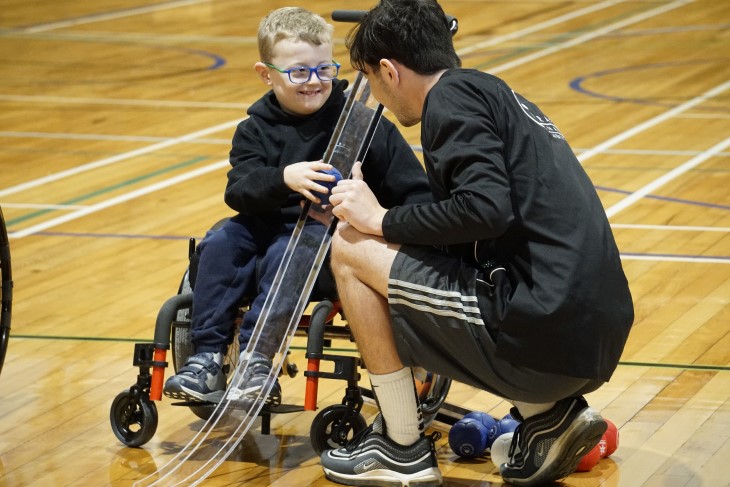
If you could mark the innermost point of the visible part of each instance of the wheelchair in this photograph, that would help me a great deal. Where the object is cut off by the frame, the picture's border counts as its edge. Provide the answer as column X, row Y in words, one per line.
column 6, row 290
column 133, row 413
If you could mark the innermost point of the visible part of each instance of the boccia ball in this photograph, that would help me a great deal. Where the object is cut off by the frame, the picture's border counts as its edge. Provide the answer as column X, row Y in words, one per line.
column 501, row 427
column 325, row 197
column 611, row 439
column 509, row 416
column 500, row 449
column 589, row 460
column 486, row 419
column 468, row 437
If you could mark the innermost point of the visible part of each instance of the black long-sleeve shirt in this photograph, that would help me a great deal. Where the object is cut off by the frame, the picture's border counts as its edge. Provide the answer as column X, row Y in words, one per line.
column 270, row 139
column 509, row 189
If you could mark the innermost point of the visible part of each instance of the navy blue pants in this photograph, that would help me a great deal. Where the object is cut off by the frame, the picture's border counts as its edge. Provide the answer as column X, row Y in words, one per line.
column 239, row 259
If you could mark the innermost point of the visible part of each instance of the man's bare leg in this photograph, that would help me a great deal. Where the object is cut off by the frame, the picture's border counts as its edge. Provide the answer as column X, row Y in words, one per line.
column 361, row 264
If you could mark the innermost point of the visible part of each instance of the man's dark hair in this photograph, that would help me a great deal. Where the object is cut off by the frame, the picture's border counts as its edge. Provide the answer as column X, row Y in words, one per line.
column 413, row 32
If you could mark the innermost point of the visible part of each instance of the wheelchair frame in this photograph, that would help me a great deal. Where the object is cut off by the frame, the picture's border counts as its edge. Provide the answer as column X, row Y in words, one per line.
column 134, row 417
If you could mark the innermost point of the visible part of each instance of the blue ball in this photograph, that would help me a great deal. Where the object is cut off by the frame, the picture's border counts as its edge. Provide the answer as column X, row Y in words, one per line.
column 325, row 197
column 486, row 419
column 503, row 426
column 468, row 437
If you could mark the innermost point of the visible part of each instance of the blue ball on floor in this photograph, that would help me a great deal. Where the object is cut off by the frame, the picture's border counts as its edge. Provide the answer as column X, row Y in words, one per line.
column 503, row 426
column 509, row 416
column 468, row 437
column 325, row 197
column 486, row 419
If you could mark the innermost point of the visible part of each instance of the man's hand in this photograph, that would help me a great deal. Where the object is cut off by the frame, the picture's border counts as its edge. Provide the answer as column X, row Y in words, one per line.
column 354, row 202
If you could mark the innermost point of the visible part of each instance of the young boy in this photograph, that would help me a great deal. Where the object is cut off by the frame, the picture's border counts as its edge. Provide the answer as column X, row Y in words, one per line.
column 275, row 159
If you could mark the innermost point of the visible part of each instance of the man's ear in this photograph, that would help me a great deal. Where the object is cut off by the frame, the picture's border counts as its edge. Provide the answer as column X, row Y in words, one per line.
column 389, row 71
column 263, row 72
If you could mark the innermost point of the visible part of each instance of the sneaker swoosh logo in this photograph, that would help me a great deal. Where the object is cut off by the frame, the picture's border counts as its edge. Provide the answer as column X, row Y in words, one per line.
column 369, row 464
column 541, row 450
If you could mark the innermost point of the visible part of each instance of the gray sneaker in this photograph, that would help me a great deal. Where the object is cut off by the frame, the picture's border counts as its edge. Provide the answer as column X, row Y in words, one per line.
column 200, row 380
column 373, row 459
column 549, row 446
column 249, row 387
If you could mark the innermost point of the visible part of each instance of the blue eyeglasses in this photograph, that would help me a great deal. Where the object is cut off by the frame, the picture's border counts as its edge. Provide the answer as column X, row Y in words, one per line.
column 302, row 74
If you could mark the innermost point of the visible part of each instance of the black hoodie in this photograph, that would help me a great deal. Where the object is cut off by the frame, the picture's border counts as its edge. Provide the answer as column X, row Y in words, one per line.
column 509, row 189
column 270, row 139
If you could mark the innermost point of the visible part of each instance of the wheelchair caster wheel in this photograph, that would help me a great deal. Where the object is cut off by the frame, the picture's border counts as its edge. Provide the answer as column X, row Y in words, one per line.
column 133, row 418
column 292, row 370
column 334, row 426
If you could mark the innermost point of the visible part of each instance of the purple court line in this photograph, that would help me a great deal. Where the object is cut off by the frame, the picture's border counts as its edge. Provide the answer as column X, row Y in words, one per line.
column 668, row 198
column 179, row 237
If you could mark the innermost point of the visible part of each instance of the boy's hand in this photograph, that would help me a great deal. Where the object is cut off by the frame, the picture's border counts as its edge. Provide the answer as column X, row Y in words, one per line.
column 302, row 177
column 356, row 204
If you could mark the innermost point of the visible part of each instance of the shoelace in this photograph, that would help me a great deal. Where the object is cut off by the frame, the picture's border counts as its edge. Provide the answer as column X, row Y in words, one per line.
column 515, row 458
column 358, row 438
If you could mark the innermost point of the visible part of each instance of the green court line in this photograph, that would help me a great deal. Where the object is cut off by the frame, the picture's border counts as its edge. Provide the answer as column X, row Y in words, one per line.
column 108, row 189
column 716, row 368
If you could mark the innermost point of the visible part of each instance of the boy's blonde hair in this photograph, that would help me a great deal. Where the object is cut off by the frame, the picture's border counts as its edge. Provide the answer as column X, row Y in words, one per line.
column 291, row 23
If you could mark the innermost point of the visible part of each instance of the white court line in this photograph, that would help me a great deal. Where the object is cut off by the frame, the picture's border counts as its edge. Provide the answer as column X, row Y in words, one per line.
column 119, row 199
column 670, row 228
column 672, row 258
column 653, row 121
column 661, row 181
column 121, row 101
column 111, row 160
column 110, row 16
column 115, row 138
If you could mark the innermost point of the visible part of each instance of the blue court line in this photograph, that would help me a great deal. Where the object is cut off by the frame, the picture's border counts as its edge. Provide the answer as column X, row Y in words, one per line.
column 128, row 182
column 577, row 83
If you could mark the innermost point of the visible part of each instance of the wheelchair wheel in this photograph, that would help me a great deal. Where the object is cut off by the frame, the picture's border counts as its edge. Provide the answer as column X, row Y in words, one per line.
column 432, row 391
column 182, row 346
column 334, row 426
column 133, row 418
column 6, row 287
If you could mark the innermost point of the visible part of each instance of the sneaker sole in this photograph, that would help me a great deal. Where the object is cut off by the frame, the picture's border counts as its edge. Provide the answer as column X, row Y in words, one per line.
column 430, row 477
column 184, row 394
column 565, row 455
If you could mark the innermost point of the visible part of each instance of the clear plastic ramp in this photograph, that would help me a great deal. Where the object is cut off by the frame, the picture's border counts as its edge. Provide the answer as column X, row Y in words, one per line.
column 289, row 295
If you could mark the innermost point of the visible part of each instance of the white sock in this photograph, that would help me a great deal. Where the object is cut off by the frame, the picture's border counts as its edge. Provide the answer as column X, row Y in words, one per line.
column 528, row 409
column 396, row 396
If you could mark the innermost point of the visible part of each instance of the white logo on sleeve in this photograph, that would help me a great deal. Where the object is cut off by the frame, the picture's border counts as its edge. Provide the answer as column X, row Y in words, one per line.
column 540, row 119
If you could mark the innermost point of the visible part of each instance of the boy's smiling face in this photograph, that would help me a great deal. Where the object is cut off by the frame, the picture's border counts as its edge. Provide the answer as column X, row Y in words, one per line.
column 298, row 99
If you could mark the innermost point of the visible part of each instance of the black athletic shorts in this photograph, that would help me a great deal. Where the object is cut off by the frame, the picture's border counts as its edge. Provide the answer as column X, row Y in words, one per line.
column 438, row 325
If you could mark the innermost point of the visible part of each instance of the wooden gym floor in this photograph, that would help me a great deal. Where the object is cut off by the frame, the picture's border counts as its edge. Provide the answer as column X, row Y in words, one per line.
column 115, row 124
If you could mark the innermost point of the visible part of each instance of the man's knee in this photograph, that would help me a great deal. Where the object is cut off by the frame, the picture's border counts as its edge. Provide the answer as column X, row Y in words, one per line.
column 341, row 253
